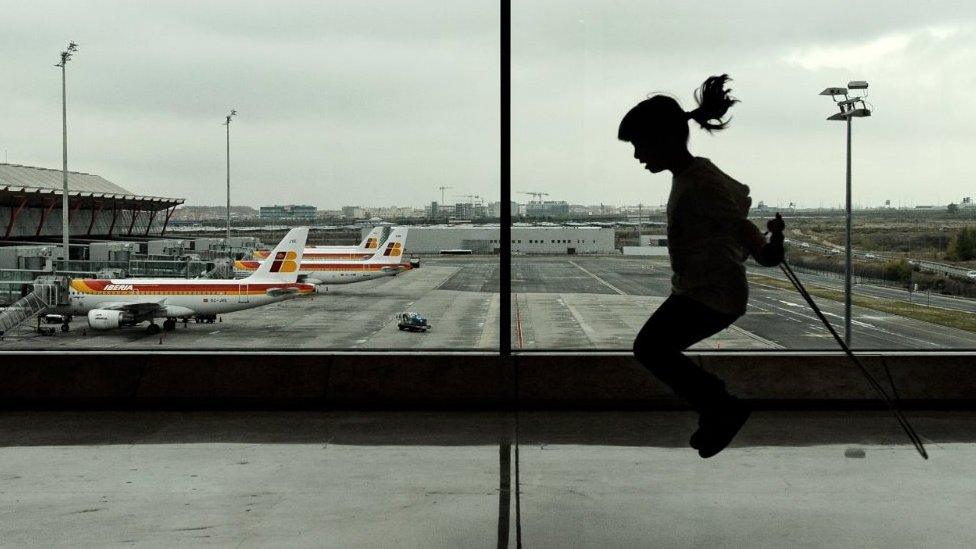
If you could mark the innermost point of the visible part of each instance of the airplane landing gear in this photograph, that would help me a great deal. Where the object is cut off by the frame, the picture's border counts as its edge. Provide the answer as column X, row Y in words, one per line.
column 169, row 325
column 152, row 329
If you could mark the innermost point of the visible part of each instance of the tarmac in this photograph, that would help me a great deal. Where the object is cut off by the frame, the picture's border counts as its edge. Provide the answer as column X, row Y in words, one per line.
column 432, row 480
column 560, row 302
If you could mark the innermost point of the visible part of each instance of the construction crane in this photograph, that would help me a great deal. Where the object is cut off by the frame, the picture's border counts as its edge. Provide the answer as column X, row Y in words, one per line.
column 538, row 196
column 442, row 187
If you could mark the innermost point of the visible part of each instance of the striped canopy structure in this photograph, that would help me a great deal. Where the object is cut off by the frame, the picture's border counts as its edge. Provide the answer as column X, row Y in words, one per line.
column 98, row 208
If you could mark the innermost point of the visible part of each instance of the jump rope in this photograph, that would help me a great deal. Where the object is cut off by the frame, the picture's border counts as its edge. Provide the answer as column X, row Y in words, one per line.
column 791, row 276
column 902, row 420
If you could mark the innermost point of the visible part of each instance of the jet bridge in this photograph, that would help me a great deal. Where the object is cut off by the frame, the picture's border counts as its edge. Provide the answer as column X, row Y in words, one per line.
column 45, row 294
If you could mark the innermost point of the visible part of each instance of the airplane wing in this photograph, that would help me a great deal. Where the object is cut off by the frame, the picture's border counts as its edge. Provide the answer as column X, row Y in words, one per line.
column 149, row 309
column 137, row 309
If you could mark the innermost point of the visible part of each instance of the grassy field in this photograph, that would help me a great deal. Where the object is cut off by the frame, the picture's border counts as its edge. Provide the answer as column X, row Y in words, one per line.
column 943, row 317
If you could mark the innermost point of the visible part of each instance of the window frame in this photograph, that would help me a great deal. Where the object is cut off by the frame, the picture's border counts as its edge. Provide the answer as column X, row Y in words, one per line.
column 560, row 377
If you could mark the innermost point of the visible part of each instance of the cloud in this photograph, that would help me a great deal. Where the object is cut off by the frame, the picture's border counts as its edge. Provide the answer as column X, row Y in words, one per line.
column 887, row 50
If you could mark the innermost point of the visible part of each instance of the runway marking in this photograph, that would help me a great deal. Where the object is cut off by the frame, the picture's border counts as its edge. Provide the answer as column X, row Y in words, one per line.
column 489, row 330
column 600, row 280
column 518, row 324
column 896, row 338
column 854, row 322
column 587, row 329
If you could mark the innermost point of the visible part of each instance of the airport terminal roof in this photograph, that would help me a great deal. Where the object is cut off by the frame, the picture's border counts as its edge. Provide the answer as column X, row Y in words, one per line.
column 34, row 182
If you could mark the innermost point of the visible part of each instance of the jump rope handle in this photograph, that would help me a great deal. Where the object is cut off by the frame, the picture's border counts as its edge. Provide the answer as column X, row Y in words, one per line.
column 775, row 225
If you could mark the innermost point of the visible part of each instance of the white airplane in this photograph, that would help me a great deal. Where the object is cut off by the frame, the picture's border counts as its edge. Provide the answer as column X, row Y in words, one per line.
column 127, row 302
column 365, row 250
column 387, row 261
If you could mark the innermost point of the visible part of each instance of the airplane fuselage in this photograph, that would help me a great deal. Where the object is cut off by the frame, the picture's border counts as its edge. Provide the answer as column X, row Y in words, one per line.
column 179, row 297
column 336, row 272
column 332, row 255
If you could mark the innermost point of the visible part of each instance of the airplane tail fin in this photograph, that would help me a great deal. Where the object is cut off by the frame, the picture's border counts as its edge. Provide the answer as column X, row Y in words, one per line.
column 392, row 250
column 372, row 241
column 282, row 263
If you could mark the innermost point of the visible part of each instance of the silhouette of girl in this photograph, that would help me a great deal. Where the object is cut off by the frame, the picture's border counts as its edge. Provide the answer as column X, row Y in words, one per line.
column 709, row 239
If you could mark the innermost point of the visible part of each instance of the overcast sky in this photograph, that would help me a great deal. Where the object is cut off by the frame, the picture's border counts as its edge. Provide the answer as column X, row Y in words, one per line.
column 339, row 102
column 582, row 65
column 379, row 103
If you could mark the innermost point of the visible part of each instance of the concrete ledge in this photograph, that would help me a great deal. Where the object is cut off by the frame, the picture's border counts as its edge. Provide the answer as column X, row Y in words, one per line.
column 458, row 380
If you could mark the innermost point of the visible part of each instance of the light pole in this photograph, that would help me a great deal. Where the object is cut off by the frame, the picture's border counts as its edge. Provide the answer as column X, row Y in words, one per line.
column 227, row 123
column 848, row 111
column 65, row 57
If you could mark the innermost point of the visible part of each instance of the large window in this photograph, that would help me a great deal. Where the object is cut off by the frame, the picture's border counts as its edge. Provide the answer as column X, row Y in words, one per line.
column 386, row 117
column 578, row 67
column 340, row 117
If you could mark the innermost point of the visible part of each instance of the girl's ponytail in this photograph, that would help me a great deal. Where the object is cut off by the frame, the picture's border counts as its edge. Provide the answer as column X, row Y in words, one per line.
column 713, row 102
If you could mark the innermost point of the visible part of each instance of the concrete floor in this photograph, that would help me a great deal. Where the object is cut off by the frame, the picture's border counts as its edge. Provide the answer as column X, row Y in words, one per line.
column 344, row 479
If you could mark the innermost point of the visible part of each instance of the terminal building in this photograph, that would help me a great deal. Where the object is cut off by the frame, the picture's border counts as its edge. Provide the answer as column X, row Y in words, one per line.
column 527, row 240
column 31, row 204
column 650, row 245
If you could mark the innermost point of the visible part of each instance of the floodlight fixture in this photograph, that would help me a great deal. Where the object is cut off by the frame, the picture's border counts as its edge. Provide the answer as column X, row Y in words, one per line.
column 66, row 54
column 834, row 91
column 857, row 85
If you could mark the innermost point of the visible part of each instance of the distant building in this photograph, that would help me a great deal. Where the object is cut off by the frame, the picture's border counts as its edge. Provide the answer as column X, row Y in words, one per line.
column 291, row 212
column 548, row 208
column 495, row 209
column 328, row 214
column 650, row 245
column 353, row 212
column 210, row 213
column 468, row 210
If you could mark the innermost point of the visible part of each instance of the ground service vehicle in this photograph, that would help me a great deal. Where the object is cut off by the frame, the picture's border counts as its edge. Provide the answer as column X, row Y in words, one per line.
column 412, row 322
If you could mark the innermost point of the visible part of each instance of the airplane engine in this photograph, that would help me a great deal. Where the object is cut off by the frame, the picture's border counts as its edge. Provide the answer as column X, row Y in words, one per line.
column 107, row 319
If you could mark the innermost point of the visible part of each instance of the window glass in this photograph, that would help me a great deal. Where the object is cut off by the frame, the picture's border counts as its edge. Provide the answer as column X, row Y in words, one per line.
column 579, row 67
column 374, row 124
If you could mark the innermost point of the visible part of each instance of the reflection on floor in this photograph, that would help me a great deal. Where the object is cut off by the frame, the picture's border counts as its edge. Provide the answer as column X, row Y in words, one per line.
column 355, row 479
